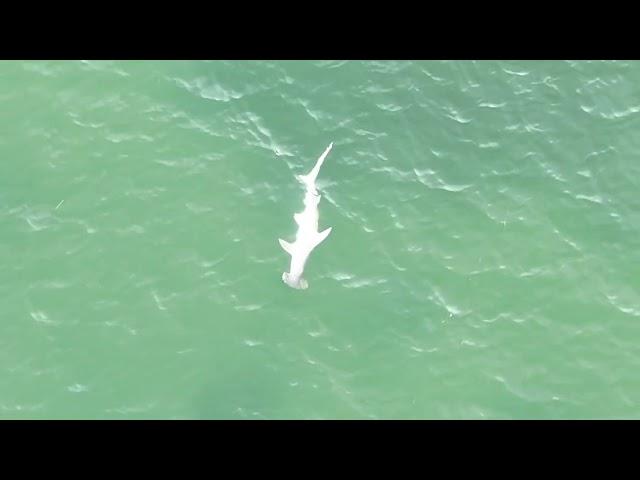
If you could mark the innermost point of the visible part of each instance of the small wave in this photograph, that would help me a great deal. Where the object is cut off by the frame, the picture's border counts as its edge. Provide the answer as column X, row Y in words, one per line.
column 192, row 124
column 158, row 300
column 76, row 121
column 626, row 309
column 586, row 108
column 549, row 170
column 344, row 211
column 429, row 178
column 566, row 240
column 548, row 82
column 414, row 248
column 453, row 114
column 500, row 316
column 452, row 309
column 393, row 172
column 38, row 220
column 395, row 265
column 388, row 67
column 522, row 91
column 459, row 119
column 125, row 137
column 433, row 77
column 514, row 72
column 103, row 66
column 20, row 408
column 331, row 63
column 202, row 88
column 621, row 113
column 77, row 388
column 591, row 198
column 247, row 308
column 367, row 282
column 454, row 188
column 369, row 135
column 46, row 69
column 317, row 115
column 470, row 343
column 339, row 276
column 534, row 272
column 373, row 89
column 41, row 317
column 389, row 107
column 492, row 105
column 316, row 333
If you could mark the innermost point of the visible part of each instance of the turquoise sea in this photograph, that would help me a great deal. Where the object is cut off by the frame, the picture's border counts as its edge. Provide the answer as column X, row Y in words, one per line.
column 483, row 262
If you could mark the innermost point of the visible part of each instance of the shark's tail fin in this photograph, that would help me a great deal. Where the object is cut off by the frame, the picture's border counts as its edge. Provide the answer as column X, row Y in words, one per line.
column 310, row 178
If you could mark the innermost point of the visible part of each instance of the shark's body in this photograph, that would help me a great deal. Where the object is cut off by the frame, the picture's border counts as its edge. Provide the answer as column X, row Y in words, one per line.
column 307, row 236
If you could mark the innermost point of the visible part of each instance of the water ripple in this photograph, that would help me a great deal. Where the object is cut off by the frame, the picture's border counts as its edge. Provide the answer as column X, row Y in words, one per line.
column 430, row 178
column 614, row 300
column 203, row 88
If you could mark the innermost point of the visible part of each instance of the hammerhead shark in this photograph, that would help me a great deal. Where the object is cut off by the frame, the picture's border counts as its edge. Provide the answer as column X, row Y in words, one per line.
column 307, row 236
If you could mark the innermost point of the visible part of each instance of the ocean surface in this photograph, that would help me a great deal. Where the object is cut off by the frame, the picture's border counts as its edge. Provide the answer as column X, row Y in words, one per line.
column 484, row 261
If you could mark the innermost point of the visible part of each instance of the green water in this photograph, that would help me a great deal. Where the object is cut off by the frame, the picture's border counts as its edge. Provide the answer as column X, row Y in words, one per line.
column 483, row 262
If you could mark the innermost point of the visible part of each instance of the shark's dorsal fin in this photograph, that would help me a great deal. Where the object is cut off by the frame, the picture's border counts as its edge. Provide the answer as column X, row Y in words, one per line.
column 321, row 236
column 286, row 246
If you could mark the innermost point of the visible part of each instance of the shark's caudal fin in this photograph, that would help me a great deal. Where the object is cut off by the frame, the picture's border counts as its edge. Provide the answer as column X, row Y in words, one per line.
column 321, row 236
column 310, row 178
column 286, row 246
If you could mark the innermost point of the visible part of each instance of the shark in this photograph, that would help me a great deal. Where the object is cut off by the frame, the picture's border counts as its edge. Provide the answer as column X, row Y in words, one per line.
column 307, row 236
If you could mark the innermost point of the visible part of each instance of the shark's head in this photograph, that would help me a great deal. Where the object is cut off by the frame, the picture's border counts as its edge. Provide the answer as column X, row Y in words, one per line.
column 295, row 281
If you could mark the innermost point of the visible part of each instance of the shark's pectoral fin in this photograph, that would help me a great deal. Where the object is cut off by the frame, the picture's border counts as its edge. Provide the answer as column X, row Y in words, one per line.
column 321, row 236
column 288, row 247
